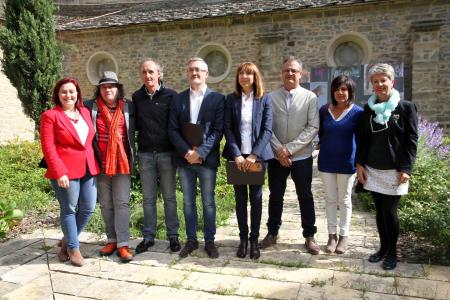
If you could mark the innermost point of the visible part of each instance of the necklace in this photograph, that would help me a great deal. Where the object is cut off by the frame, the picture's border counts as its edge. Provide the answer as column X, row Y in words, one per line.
column 73, row 116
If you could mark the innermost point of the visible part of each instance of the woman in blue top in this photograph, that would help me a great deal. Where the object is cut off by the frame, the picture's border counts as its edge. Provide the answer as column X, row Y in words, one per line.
column 336, row 161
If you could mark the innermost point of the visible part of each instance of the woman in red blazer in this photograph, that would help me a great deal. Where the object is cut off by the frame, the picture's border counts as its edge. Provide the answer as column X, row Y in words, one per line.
column 66, row 139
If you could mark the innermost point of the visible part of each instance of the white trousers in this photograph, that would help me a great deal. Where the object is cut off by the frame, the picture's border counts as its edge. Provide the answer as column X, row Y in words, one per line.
column 338, row 191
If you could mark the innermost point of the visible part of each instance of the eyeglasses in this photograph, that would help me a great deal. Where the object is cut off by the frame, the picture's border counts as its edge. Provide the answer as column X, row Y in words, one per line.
column 290, row 70
column 198, row 70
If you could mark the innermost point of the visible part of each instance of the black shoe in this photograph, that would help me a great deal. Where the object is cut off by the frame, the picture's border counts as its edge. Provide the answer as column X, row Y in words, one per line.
column 376, row 257
column 144, row 245
column 188, row 248
column 174, row 244
column 242, row 249
column 254, row 250
column 211, row 250
column 390, row 262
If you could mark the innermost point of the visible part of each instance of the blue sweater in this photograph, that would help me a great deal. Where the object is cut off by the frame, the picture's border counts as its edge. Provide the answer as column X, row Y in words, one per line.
column 337, row 141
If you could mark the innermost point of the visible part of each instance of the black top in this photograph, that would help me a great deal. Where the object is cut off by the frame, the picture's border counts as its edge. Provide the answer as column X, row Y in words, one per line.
column 401, row 136
column 152, row 119
column 378, row 156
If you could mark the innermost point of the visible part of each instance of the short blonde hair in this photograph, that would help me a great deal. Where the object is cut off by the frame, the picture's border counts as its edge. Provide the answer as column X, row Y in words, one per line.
column 386, row 69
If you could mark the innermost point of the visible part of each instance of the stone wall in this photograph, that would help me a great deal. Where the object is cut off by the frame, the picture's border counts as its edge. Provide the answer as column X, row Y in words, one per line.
column 14, row 124
column 266, row 38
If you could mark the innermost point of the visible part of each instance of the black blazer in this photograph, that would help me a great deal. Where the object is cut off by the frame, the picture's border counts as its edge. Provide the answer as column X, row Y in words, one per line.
column 402, row 136
column 210, row 117
column 261, row 127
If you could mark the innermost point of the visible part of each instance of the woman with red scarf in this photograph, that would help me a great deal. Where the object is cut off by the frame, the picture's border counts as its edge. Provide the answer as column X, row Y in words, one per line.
column 113, row 119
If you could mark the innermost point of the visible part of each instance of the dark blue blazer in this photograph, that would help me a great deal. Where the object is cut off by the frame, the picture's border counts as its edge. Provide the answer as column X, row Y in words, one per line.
column 210, row 116
column 261, row 127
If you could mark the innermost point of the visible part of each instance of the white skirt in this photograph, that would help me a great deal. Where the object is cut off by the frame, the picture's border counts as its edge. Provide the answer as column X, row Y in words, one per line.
column 385, row 182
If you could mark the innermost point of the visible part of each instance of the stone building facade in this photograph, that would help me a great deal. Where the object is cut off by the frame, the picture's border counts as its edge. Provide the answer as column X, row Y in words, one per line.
column 416, row 33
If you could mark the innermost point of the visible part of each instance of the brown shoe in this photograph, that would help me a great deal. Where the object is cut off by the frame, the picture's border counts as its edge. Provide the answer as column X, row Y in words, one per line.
column 76, row 258
column 125, row 254
column 108, row 249
column 188, row 248
column 332, row 242
column 63, row 256
column 342, row 244
column 211, row 250
column 268, row 241
column 312, row 246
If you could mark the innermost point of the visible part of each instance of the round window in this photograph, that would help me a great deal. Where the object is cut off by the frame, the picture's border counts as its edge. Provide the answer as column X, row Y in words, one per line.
column 218, row 59
column 348, row 54
column 98, row 63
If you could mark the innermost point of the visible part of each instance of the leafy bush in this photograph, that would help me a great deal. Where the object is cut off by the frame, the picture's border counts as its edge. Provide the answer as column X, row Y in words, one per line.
column 425, row 210
column 22, row 184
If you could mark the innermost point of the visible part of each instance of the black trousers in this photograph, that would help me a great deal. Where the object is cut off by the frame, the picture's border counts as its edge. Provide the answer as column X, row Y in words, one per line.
column 387, row 222
column 242, row 194
column 301, row 173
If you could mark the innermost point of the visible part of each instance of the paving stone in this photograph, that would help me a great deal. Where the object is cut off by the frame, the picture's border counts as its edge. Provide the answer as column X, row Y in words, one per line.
column 216, row 283
column 165, row 293
column 14, row 246
column 290, row 258
column 402, row 269
column 20, row 257
column 91, row 238
column 67, row 297
column 263, row 288
column 71, row 284
column 200, row 264
column 6, row 287
column 337, row 263
column 338, row 293
column 156, row 259
column 364, row 282
column 52, row 233
column 39, row 289
column 27, row 272
column 113, row 289
column 437, row 272
column 380, row 296
column 423, row 288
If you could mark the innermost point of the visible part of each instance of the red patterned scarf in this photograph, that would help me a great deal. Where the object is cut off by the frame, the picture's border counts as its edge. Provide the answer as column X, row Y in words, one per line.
column 116, row 156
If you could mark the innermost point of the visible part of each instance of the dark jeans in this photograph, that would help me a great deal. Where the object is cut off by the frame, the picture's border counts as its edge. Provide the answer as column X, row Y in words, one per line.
column 387, row 222
column 241, row 193
column 301, row 174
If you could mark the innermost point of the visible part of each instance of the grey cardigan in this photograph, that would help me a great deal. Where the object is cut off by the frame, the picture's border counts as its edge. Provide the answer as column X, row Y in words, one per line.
column 128, row 111
column 296, row 127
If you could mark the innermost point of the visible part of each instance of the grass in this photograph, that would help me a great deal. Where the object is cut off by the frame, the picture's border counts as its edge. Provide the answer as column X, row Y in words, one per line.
column 23, row 184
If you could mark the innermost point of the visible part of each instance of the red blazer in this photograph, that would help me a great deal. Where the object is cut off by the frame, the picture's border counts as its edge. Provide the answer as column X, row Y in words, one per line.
column 62, row 148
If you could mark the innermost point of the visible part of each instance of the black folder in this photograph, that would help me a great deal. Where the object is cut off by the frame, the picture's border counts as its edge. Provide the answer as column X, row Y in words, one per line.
column 253, row 176
column 193, row 133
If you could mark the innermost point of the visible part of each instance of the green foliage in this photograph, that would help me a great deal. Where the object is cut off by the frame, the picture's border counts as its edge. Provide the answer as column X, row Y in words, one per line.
column 425, row 210
column 22, row 184
column 31, row 56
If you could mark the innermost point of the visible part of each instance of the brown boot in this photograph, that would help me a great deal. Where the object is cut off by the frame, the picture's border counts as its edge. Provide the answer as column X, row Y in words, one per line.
column 342, row 244
column 332, row 242
column 268, row 241
column 311, row 245
column 76, row 258
column 63, row 256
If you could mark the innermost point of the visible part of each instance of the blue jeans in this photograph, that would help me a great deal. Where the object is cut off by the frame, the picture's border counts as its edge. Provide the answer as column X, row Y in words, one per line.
column 301, row 173
column 152, row 166
column 188, row 179
column 77, row 203
column 114, row 198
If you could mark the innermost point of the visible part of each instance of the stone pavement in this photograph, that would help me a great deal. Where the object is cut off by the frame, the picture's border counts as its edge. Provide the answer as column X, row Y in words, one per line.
column 30, row 270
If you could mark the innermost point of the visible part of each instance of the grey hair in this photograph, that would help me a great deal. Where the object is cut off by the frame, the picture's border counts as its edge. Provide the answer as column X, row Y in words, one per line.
column 293, row 58
column 386, row 69
column 192, row 59
column 159, row 67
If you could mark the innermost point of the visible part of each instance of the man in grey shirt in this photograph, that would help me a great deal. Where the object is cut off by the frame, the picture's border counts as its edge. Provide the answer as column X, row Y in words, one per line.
column 295, row 124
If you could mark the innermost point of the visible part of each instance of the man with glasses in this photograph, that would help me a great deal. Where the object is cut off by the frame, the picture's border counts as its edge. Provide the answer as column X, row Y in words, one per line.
column 295, row 124
column 205, row 107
